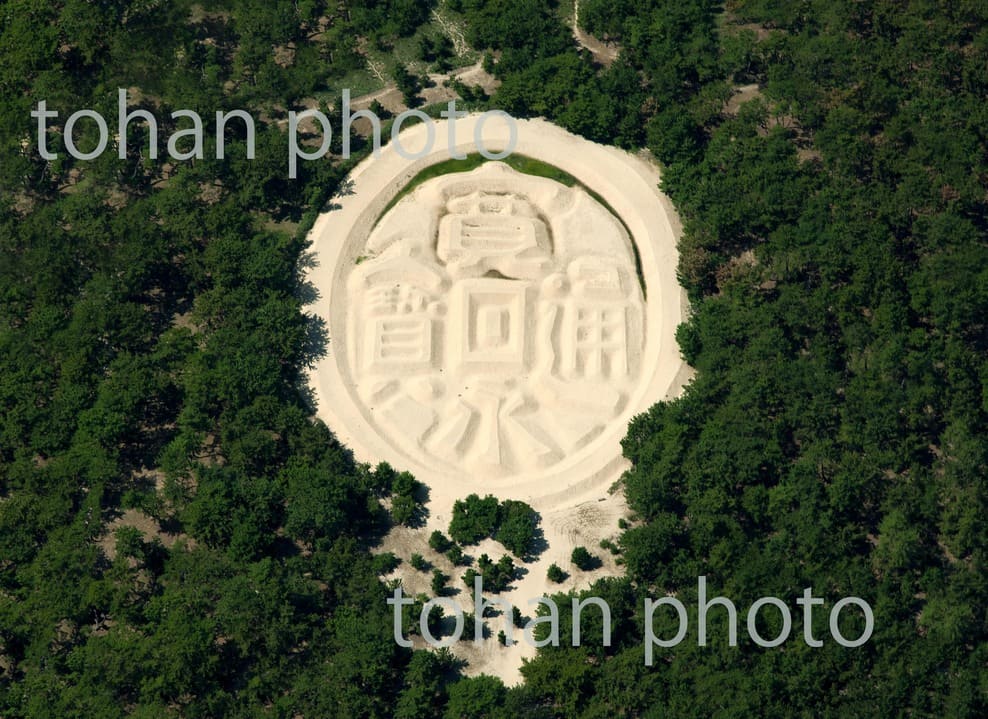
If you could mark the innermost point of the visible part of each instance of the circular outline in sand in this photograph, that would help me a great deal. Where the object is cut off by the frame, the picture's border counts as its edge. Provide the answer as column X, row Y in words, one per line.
column 629, row 184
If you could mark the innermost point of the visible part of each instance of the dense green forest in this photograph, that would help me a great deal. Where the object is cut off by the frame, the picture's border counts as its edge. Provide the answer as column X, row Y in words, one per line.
column 153, row 348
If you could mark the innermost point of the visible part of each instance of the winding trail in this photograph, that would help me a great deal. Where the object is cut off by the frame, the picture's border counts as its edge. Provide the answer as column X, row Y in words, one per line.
column 453, row 32
column 376, row 69
column 602, row 52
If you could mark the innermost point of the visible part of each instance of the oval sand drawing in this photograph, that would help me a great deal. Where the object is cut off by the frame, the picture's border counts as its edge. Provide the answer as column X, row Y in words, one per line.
column 497, row 327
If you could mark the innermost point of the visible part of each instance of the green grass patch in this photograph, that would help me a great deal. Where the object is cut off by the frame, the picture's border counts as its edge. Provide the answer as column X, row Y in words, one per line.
column 521, row 163
column 359, row 82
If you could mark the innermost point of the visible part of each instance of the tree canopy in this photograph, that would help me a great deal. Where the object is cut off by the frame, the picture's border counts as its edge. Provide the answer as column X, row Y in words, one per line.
column 179, row 536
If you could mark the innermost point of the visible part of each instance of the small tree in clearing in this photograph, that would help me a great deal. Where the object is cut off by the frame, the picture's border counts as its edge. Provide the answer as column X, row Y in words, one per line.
column 555, row 574
column 582, row 559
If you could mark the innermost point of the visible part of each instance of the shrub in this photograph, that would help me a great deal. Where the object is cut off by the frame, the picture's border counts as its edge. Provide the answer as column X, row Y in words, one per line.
column 474, row 519
column 378, row 481
column 517, row 526
column 496, row 576
column 438, row 582
column 512, row 523
column 435, row 621
column 455, row 555
column 439, row 542
column 380, row 110
column 385, row 563
column 582, row 558
column 403, row 483
column 418, row 562
column 130, row 542
column 408, row 84
column 555, row 574
column 403, row 508
column 469, row 625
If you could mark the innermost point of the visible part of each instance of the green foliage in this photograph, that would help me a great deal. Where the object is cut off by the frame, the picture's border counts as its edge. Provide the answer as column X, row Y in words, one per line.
column 514, row 524
column 517, row 527
column 609, row 19
column 389, row 18
column 424, row 693
column 555, row 574
column 522, row 31
column 436, row 50
column 151, row 323
column 439, row 542
column 386, row 562
column 129, row 542
column 582, row 559
column 476, row 697
column 151, row 329
column 408, row 84
column 474, row 519
column 835, row 364
column 438, row 582
column 497, row 576
column 406, row 494
column 455, row 555
column 403, row 509
column 418, row 562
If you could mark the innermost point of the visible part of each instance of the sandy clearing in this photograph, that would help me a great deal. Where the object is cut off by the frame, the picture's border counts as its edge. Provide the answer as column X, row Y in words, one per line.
column 741, row 95
column 149, row 528
column 572, row 496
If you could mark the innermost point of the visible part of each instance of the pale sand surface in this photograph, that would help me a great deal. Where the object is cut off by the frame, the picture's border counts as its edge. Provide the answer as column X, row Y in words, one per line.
column 571, row 492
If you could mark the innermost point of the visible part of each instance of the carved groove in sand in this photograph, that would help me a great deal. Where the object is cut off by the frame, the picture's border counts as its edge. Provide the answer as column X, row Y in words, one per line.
column 495, row 322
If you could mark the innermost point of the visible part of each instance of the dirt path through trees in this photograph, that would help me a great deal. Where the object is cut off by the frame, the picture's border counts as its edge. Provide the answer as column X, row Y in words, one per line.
column 603, row 53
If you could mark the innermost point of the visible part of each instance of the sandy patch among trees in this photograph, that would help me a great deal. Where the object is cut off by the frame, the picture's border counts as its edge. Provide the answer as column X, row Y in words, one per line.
column 494, row 332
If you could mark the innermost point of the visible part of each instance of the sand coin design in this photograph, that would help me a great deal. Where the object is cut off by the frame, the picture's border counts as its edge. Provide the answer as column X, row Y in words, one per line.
column 497, row 325
column 496, row 328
